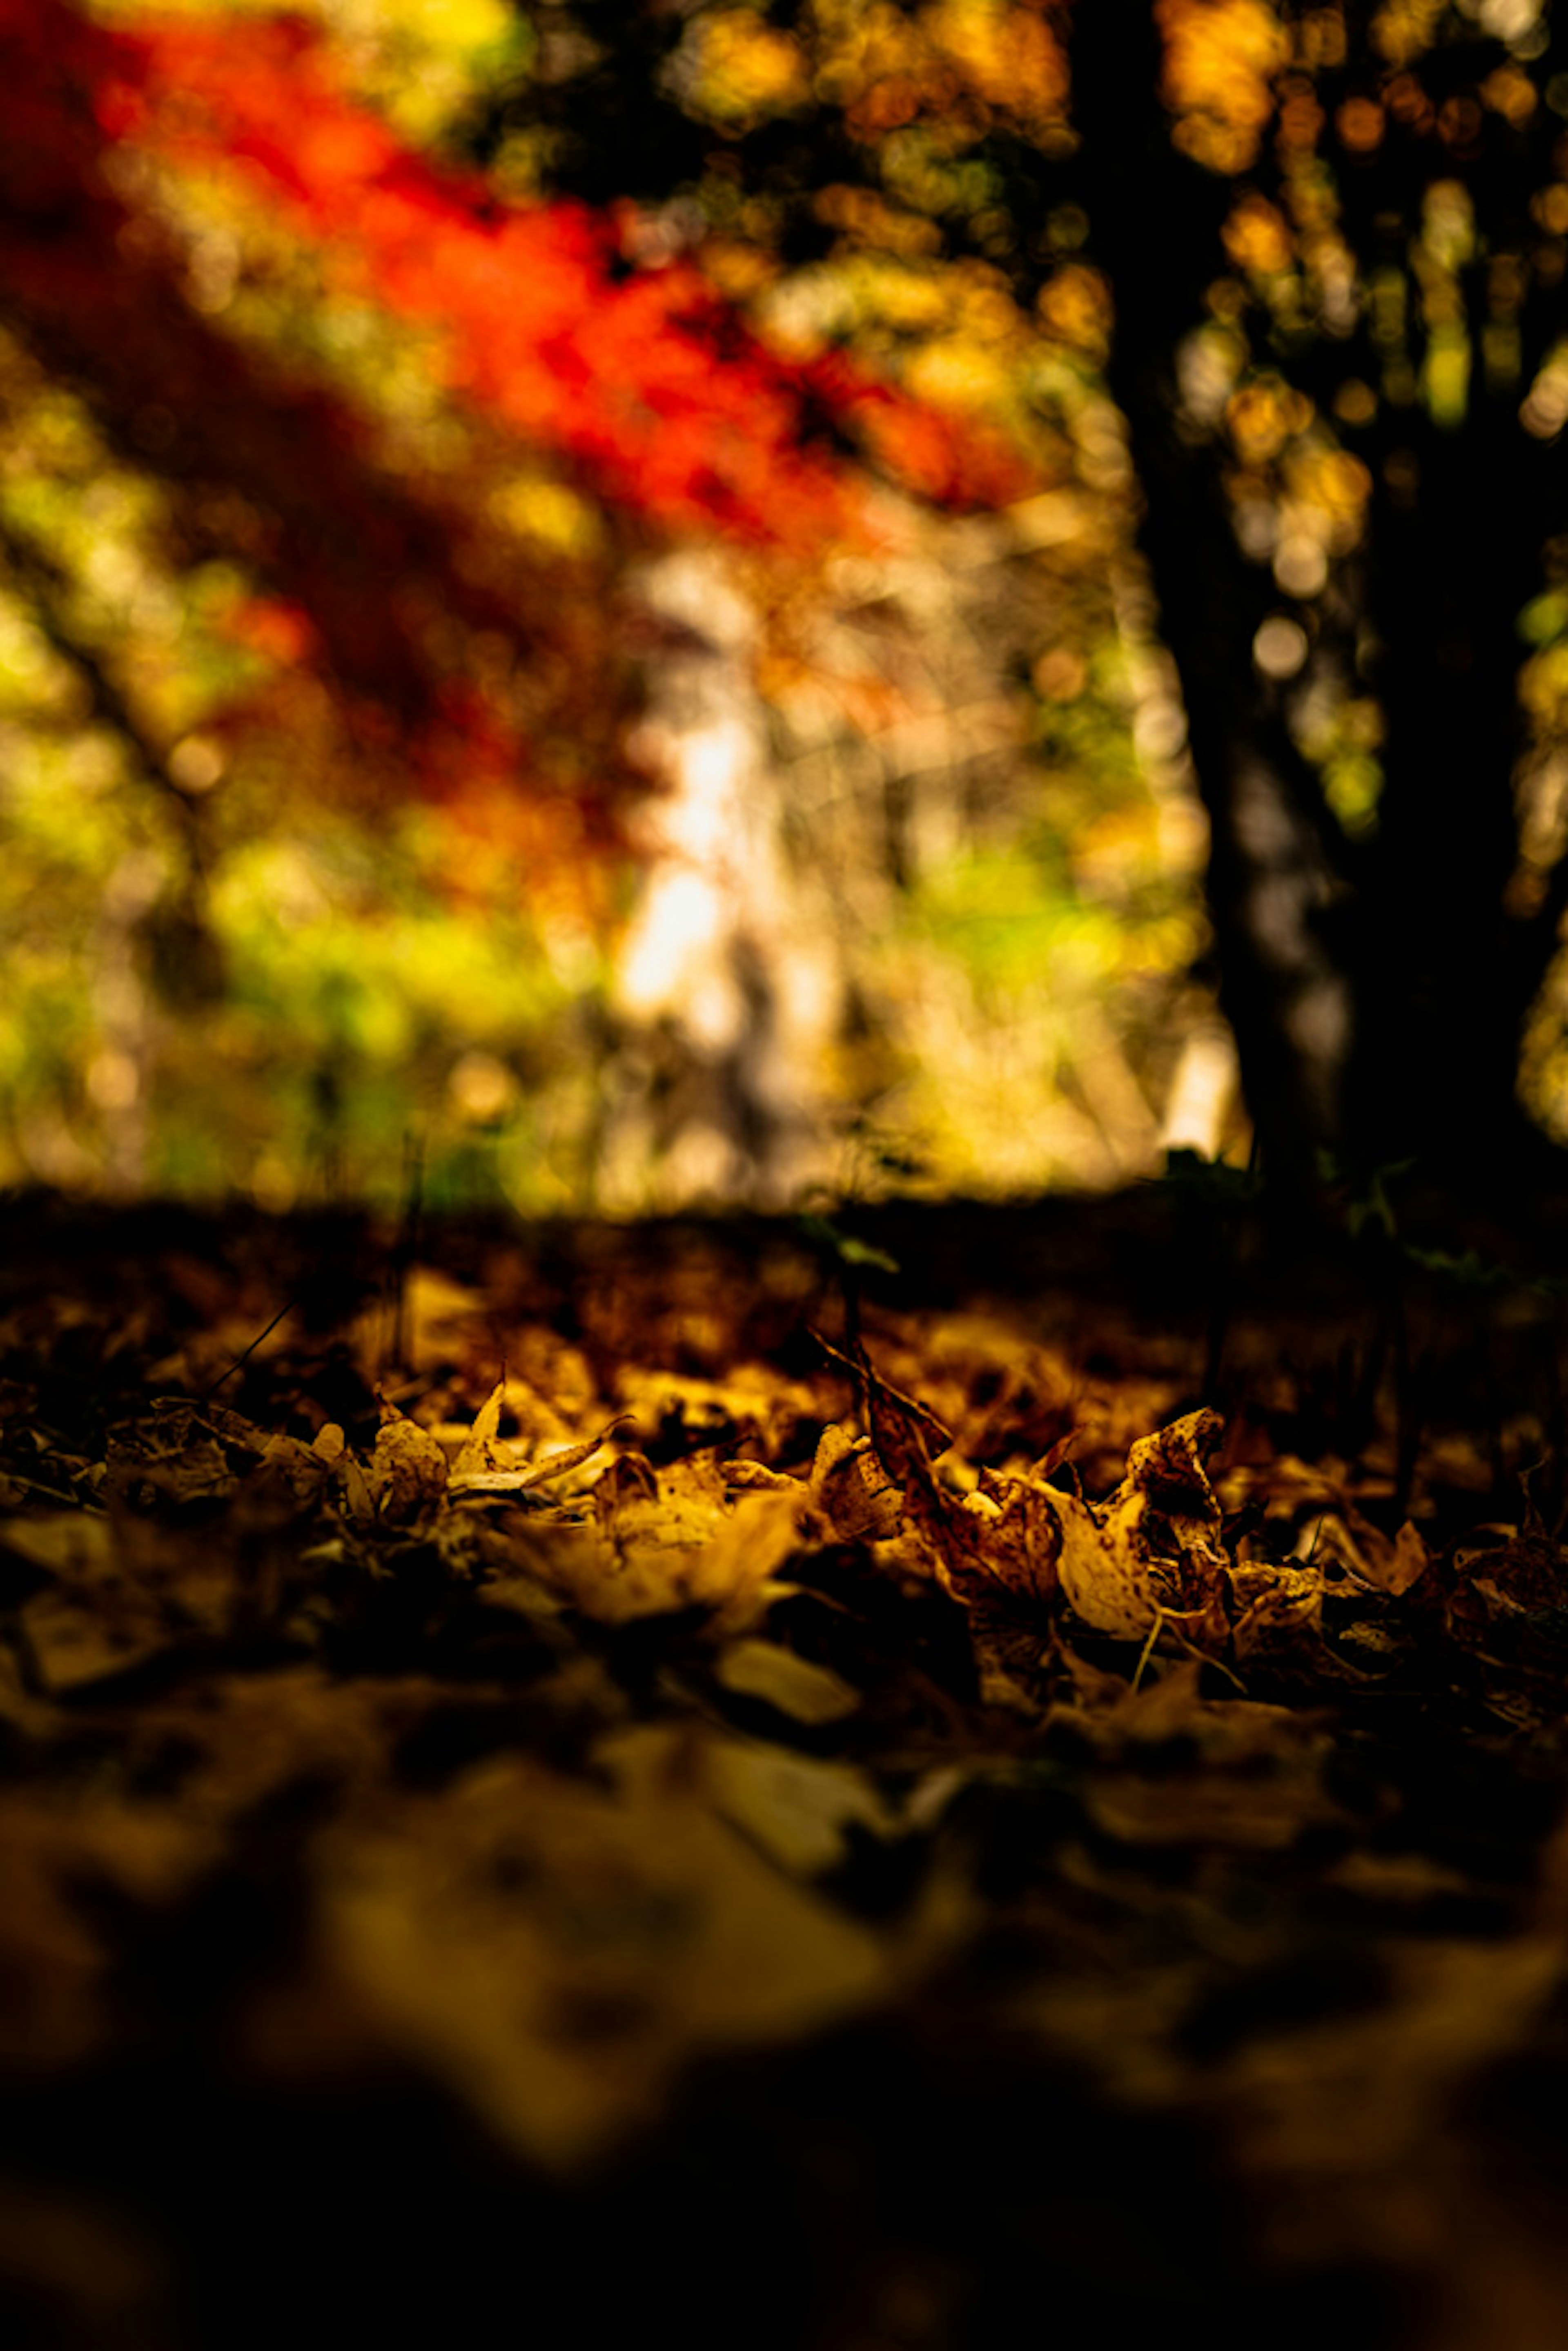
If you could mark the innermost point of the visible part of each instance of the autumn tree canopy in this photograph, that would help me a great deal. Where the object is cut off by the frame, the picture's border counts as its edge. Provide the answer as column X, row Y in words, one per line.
column 644, row 381
column 402, row 396
column 1331, row 238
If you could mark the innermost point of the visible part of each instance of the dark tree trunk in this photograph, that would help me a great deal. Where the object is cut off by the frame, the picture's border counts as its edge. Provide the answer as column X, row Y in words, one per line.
column 1272, row 884
column 1444, row 978
column 1449, row 957
column 1377, row 989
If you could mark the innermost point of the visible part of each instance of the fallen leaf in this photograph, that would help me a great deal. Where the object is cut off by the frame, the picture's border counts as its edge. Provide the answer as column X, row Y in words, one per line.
column 790, row 1684
column 407, row 1475
column 557, row 1949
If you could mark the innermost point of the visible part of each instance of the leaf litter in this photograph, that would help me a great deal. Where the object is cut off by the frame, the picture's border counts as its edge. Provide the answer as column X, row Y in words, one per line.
column 641, row 1688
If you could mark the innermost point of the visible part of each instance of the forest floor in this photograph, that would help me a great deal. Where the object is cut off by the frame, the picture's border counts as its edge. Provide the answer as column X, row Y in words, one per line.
column 867, row 1786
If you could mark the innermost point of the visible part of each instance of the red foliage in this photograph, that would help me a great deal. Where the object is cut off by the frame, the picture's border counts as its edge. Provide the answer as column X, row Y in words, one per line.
column 644, row 379
column 647, row 378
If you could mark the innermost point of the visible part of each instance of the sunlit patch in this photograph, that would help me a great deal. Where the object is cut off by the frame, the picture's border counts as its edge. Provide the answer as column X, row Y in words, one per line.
column 1544, row 409
column 1257, row 236
column 1075, row 305
column 1279, row 649
column 197, row 763
column 1300, row 565
column 481, row 1088
column 113, row 1080
column 1263, row 416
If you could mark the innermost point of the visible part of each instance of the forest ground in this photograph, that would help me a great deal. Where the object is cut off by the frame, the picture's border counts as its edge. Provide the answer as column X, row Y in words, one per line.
column 605, row 1770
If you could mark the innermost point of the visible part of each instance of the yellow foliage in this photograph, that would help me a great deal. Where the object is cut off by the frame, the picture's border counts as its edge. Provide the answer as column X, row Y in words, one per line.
column 869, row 219
column 1010, row 56
column 1263, row 416
column 1405, row 28
column 1258, row 238
column 885, row 68
column 956, row 373
column 913, row 301
column 747, row 69
column 1221, row 56
column 1332, row 480
column 1543, row 688
column 858, row 46
column 1550, row 207
column 1075, row 307
column 535, row 507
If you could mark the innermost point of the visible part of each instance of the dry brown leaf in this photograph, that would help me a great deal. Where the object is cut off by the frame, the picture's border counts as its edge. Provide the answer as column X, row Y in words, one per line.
column 756, row 1478
column 407, row 1476
column 1404, row 1563
column 482, row 1448
column 1104, row 1573
column 790, row 1684
column 301, row 1470
column 557, row 1949
column 1273, row 1603
column 736, row 1573
column 569, row 1457
column 178, row 1452
column 120, row 1589
column 354, row 1486
column 663, row 1541
column 797, row 1808
column 484, row 1468
column 1151, row 1554
column 851, row 1489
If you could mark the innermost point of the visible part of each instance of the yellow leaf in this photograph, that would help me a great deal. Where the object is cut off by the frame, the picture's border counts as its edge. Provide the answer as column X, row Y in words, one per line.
column 559, row 1947
column 408, row 1468
column 480, row 1449
column 792, row 1685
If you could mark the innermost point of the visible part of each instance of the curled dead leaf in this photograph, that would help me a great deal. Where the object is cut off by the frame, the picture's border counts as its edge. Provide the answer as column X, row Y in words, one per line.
column 1150, row 1554
column 851, row 1489
column 756, row 1478
column 301, row 1470
column 407, row 1475
column 1273, row 1603
column 1104, row 1570
column 522, row 1477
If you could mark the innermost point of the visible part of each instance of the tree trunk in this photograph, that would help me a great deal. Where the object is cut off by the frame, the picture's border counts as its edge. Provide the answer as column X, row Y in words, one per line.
column 1272, row 887
column 1377, row 989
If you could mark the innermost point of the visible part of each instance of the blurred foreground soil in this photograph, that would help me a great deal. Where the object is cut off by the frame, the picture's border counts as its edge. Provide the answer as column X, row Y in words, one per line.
column 887, row 1782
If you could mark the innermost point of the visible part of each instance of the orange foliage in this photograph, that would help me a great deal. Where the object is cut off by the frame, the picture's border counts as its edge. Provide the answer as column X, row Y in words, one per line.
column 642, row 380
column 1221, row 57
column 1256, row 238
column 647, row 378
column 1010, row 57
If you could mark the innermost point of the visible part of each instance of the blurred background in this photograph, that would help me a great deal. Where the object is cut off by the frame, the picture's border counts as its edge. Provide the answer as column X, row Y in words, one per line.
column 849, row 848
column 569, row 604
